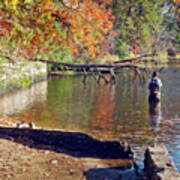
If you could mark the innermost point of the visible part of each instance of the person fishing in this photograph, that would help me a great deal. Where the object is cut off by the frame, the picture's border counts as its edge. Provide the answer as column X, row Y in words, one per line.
column 154, row 86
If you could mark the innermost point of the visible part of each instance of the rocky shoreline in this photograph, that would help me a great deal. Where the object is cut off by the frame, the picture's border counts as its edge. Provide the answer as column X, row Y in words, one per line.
column 30, row 154
column 158, row 165
column 41, row 154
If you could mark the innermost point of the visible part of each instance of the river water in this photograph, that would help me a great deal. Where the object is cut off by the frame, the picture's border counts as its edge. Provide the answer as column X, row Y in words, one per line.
column 120, row 111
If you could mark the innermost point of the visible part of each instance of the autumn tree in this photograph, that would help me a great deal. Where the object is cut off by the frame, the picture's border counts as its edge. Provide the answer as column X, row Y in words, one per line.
column 47, row 27
column 137, row 23
column 169, row 35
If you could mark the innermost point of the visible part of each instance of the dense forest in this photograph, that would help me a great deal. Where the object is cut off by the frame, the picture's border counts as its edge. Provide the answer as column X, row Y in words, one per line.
column 81, row 31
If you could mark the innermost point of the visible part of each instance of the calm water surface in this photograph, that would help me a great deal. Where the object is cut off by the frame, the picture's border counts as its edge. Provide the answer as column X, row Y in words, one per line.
column 119, row 111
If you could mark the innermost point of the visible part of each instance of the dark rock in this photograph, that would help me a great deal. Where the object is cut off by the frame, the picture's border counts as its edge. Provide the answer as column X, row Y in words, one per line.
column 157, row 164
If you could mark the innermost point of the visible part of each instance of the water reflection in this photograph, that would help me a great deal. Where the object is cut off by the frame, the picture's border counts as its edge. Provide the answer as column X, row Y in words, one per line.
column 19, row 100
column 103, row 117
column 155, row 114
column 119, row 111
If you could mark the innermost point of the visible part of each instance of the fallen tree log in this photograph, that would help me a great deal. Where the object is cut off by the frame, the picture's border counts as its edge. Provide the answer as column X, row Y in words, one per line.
column 86, row 66
column 95, row 69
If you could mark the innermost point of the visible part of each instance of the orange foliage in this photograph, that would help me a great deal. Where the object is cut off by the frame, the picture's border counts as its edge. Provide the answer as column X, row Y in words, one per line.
column 5, row 27
column 83, row 25
column 89, row 23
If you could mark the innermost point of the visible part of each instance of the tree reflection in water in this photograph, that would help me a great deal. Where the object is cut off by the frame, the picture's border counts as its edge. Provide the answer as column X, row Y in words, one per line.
column 105, row 108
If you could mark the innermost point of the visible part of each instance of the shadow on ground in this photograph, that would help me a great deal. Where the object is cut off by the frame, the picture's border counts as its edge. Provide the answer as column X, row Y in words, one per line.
column 72, row 143
column 113, row 173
